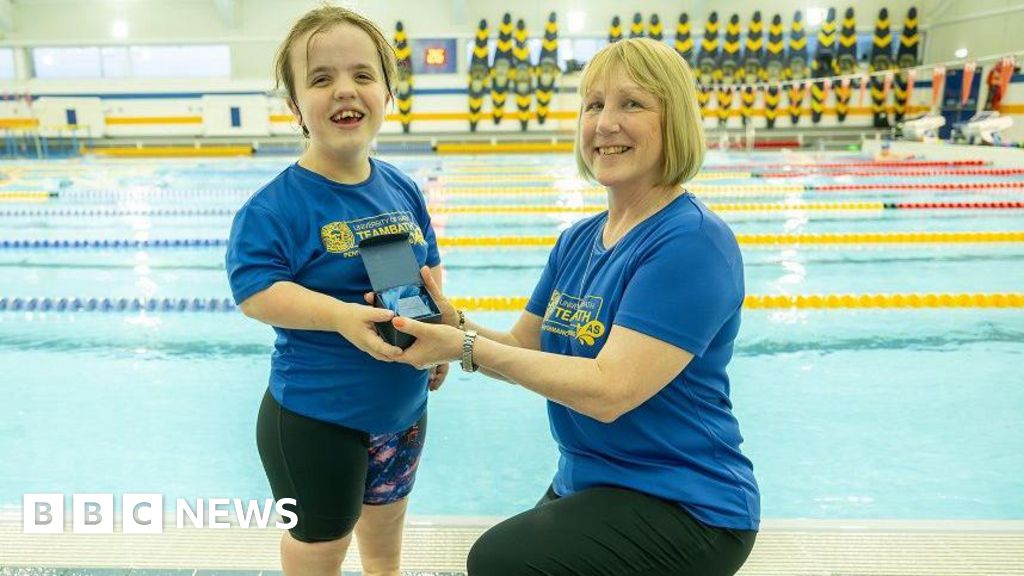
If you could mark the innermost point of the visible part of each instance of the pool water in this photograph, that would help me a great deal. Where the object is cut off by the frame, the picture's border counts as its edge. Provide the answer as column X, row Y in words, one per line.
column 906, row 414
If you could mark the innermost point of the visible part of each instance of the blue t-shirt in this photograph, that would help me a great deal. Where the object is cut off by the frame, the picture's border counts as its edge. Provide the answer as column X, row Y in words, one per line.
column 677, row 277
column 304, row 228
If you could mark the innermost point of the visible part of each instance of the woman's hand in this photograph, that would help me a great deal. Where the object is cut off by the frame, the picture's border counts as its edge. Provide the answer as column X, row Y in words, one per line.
column 435, row 343
column 356, row 324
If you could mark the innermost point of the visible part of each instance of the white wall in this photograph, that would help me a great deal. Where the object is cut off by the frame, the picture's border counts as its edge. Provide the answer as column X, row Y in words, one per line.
column 984, row 27
column 257, row 20
column 253, row 28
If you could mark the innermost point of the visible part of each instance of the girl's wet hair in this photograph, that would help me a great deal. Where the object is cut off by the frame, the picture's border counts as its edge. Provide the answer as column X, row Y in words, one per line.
column 320, row 20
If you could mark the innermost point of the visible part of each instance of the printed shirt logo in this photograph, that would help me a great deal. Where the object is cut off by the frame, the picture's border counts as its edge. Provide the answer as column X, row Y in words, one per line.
column 337, row 237
column 344, row 237
column 574, row 317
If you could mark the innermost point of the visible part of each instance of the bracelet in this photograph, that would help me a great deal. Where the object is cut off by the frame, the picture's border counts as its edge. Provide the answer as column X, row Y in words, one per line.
column 467, row 351
column 462, row 319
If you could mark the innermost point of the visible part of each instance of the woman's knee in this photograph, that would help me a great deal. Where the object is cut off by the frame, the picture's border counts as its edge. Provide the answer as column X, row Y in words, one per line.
column 493, row 554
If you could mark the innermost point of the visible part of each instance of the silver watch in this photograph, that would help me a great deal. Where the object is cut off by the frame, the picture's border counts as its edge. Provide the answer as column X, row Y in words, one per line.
column 467, row 351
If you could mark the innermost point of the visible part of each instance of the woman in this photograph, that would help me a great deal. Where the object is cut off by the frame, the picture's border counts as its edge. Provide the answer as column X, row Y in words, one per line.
column 628, row 334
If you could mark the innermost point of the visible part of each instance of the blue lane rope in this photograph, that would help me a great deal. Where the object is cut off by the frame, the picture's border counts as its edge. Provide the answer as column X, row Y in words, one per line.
column 117, row 212
column 151, row 193
column 116, row 243
column 116, row 304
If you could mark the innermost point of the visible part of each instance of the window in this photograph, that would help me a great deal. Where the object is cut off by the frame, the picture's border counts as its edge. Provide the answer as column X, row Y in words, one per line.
column 79, row 62
column 114, row 60
column 579, row 49
column 6, row 64
column 205, row 61
column 180, row 61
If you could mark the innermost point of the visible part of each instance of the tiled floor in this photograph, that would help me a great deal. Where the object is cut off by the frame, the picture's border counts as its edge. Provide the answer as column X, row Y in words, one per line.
column 9, row 571
column 784, row 548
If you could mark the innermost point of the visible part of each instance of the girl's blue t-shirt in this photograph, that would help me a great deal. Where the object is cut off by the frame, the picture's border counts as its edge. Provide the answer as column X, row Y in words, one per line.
column 305, row 228
column 677, row 277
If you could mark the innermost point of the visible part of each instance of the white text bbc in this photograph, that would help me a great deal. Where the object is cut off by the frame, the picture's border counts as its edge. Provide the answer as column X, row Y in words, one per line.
column 144, row 513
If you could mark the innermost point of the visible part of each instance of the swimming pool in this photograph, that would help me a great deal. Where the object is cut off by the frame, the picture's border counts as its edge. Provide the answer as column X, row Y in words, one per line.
column 847, row 413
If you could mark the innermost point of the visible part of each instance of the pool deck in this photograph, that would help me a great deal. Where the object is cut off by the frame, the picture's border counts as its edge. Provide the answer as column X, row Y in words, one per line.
column 438, row 547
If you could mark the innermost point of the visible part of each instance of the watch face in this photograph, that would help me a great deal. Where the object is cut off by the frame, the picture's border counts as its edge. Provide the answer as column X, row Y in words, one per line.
column 413, row 306
column 411, row 301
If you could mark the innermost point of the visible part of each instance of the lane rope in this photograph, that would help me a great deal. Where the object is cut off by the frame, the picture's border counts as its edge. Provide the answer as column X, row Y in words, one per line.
column 532, row 241
column 517, row 303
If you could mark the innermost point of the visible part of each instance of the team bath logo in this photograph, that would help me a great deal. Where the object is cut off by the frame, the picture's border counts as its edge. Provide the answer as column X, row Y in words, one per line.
column 343, row 237
column 337, row 237
column 574, row 317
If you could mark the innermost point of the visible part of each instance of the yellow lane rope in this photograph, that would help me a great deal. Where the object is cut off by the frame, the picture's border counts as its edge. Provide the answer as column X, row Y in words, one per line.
column 500, row 209
column 543, row 171
column 509, row 147
column 24, row 197
column 854, row 238
column 808, row 301
column 522, row 168
column 509, row 176
column 170, row 151
column 575, row 186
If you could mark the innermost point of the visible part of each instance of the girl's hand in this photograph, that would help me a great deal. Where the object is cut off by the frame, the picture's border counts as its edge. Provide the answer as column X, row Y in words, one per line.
column 356, row 324
column 435, row 343
column 448, row 314
column 437, row 376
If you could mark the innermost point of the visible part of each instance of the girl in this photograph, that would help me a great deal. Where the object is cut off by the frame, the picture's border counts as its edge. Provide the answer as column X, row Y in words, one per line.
column 341, row 427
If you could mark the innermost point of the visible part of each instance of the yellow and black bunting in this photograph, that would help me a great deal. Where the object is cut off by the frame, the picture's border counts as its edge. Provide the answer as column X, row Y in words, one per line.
column 846, row 63
column 707, row 62
column 636, row 29
column 774, row 70
column 654, row 28
column 615, row 30
column 479, row 75
column 729, row 66
column 906, row 57
column 521, row 75
column 823, row 64
column 880, row 60
column 501, row 69
column 684, row 42
column 753, row 65
column 796, row 66
column 403, row 90
column 547, row 68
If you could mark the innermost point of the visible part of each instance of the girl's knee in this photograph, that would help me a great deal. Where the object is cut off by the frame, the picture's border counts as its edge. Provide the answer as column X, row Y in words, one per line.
column 319, row 550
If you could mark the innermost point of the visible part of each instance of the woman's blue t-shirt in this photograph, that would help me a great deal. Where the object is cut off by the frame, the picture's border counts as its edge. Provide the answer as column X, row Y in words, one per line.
column 677, row 277
column 304, row 228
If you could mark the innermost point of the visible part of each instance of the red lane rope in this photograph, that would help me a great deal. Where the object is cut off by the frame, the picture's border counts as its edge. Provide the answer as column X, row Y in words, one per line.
column 855, row 164
column 954, row 205
column 898, row 173
column 916, row 186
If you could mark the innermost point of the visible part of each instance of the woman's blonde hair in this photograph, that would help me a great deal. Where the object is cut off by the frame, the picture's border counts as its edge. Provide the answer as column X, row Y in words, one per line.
column 322, row 19
column 659, row 70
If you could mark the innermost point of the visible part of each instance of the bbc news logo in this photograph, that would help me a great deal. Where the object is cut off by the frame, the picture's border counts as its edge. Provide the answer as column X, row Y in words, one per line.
column 144, row 513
